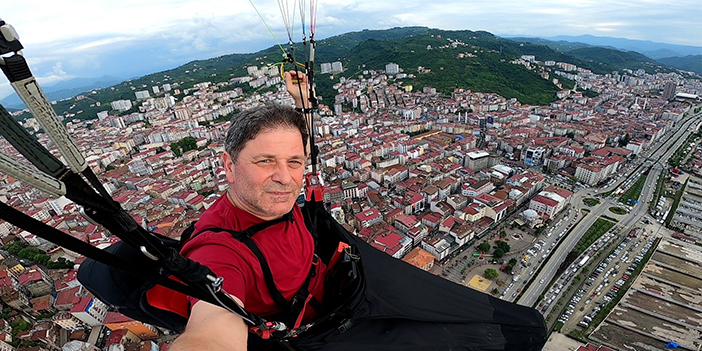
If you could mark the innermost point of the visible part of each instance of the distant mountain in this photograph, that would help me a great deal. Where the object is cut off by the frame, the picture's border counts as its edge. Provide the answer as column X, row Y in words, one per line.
column 688, row 63
column 641, row 46
column 64, row 90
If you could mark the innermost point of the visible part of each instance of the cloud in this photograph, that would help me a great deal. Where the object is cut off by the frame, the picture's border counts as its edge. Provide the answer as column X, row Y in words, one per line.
column 93, row 38
column 58, row 69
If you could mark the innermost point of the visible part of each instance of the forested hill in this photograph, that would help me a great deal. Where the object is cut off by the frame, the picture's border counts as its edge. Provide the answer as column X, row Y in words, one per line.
column 410, row 47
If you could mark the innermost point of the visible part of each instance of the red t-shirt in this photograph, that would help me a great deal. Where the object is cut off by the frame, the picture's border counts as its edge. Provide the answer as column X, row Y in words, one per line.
column 287, row 246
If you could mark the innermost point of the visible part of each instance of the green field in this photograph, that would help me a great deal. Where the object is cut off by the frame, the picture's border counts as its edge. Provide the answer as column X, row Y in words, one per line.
column 632, row 195
column 591, row 202
column 600, row 227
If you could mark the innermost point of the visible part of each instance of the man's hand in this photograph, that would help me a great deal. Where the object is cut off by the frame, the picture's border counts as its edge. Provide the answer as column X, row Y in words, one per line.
column 297, row 85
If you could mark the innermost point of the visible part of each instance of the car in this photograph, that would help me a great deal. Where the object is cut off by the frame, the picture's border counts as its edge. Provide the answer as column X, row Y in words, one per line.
column 541, row 281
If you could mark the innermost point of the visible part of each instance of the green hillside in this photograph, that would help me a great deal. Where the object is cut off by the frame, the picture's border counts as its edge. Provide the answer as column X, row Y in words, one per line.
column 688, row 63
column 489, row 71
column 611, row 59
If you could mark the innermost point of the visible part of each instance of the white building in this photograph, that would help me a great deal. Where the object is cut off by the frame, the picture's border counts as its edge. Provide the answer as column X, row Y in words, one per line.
column 143, row 94
column 392, row 68
column 336, row 67
column 121, row 105
column 89, row 310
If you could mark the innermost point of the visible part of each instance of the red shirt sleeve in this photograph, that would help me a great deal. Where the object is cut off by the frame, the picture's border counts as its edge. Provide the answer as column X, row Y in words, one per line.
column 227, row 263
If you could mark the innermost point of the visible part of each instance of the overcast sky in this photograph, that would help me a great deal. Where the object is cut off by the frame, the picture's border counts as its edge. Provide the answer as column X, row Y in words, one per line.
column 64, row 39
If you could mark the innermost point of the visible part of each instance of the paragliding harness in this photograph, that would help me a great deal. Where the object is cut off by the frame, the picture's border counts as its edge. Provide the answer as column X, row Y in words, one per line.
column 371, row 300
column 151, row 303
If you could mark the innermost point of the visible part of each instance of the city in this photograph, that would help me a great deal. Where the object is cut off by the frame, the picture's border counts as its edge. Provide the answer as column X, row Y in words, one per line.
column 560, row 207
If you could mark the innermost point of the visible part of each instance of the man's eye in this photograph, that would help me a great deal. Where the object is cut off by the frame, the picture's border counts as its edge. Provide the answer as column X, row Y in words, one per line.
column 265, row 161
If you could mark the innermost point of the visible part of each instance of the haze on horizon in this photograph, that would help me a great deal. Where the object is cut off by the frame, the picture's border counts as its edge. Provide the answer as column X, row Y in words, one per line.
column 80, row 38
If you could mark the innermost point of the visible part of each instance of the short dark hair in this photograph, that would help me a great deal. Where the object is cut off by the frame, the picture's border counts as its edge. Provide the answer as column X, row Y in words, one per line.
column 248, row 124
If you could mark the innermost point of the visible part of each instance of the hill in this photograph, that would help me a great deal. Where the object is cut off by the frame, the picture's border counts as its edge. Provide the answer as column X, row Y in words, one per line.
column 616, row 59
column 688, row 63
column 438, row 51
column 488, row 71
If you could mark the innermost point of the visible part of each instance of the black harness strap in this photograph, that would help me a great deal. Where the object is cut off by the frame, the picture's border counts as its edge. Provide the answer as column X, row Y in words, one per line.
column 69, row 242
column 290, row 309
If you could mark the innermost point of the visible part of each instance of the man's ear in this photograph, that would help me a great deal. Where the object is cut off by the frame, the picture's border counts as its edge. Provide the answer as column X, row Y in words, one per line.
column 228, row 164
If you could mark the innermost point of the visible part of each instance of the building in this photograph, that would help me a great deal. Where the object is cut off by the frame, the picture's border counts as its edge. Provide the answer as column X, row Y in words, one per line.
column 477, row 160
column 90, row 311
column 117, row 321
column 36, row 282
column 67, row 320
column 392, row 68
column 143, row 94
column 669, row 90
column 533, row 156
column 550, row 202
column 420, row 258
column 336, row 67
column 121, row 105
column 368, row 217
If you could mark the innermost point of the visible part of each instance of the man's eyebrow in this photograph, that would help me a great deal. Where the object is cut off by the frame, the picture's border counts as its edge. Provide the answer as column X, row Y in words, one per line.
column 294, row 157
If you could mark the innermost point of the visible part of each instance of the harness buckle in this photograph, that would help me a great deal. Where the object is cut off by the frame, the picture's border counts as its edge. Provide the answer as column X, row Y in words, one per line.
column 216, row 283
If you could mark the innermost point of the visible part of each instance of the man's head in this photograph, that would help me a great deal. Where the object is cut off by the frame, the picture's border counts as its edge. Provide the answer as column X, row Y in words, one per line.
column 265, row 160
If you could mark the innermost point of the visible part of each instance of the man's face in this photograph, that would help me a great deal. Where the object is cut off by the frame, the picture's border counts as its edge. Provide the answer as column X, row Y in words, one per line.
column 266, row 178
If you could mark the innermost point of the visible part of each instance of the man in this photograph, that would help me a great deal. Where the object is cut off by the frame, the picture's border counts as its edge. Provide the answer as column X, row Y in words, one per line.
column 264, row 161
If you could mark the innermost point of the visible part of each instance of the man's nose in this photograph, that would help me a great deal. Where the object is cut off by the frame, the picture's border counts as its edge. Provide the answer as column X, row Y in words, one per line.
column 282, row 173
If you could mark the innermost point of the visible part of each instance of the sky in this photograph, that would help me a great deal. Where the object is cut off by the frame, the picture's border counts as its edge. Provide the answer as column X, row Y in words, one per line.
column 66, row 39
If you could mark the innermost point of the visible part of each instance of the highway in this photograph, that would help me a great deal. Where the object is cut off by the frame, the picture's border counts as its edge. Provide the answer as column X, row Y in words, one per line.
column 662, row 151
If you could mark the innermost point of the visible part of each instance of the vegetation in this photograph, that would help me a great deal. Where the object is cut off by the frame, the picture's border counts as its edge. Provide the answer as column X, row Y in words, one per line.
column 598, row 228
column 591, row 202
column 688, row 63
column 184, row 145
column 484, row 247
column 617, row 60
column 589, row 93
column 617, row 210
column 680, row 154
column 501, row 247
column 491, row 273
column 35, row 255
column 632, row 194
column 659, row 190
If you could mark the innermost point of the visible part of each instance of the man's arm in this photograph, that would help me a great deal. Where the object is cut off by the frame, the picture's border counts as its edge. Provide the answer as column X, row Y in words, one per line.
column 212, row 328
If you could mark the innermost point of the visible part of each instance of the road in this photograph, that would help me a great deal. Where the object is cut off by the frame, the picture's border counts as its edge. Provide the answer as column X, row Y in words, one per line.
column 656, row 159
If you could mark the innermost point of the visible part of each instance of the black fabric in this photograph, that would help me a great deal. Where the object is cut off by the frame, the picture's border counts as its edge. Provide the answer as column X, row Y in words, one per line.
column 124, row 291
column 404, row 308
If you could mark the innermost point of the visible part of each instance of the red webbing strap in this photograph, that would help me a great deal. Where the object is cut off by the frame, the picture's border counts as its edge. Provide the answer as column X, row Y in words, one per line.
column 169, row 300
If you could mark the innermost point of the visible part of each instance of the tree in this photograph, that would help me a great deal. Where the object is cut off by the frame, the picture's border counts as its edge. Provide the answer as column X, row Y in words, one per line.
column 498, row 253
column 502, row 245
column 484, row 247
column 176, row 149
column 491, row 273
